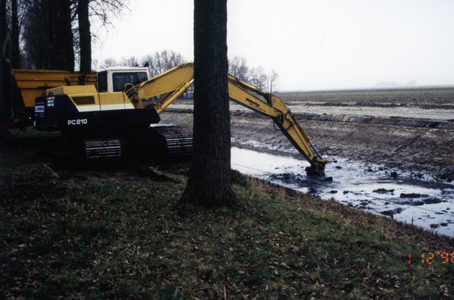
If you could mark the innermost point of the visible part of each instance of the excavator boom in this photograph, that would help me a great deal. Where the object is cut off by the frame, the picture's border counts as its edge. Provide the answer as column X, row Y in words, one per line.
column 170, row 84
column 276, row 109
column 174, row 82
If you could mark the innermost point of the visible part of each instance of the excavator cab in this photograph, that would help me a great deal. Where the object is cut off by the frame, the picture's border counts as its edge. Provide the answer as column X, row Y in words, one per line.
column 114, row 79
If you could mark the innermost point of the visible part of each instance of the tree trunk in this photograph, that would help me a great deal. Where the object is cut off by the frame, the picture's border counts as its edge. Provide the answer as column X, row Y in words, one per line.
column 5, row 69
column 85, row 37
column 48, row 35
column 67, row 36
column 15, row 32
column 209, row 182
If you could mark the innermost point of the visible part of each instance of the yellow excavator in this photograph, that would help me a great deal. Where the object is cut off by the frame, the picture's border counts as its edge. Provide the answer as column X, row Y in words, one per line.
column 83, row 109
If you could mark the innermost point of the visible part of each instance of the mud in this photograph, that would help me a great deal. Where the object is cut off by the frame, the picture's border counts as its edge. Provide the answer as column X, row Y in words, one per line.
column 409, row 147
column 405, row 136
column 419, row 200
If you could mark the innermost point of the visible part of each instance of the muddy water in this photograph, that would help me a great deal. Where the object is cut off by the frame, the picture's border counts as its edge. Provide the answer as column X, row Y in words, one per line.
column 413, row 198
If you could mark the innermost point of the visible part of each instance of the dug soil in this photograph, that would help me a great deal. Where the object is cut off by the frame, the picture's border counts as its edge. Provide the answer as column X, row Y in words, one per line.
column 404, row 130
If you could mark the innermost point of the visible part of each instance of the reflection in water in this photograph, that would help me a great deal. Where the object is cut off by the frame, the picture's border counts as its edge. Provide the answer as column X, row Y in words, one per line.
column 411, row 198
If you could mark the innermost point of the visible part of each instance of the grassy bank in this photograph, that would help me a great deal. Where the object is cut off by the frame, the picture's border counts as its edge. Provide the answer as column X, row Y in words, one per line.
column 119, row 233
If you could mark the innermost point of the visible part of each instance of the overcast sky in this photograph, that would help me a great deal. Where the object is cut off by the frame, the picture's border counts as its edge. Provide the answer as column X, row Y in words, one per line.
column 323, row 44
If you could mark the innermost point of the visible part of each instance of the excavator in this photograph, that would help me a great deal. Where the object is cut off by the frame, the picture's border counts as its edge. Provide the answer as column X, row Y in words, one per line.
column 87, row 113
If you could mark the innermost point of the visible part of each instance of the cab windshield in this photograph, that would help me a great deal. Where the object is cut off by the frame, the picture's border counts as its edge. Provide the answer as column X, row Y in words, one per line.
column 121, row 79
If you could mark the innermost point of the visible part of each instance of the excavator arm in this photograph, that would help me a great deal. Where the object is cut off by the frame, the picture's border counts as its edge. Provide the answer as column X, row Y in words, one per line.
column 174, row 82
column 243, row 93
column 170, row 85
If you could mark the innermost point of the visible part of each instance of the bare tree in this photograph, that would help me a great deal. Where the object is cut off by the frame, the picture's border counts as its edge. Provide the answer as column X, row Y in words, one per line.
column 162, row 61
column 107, row 10
column 157, row 63
column 130, row 62
column 149, row 61
column 259, row 78
column 110, row 62
column 238, row 68
column 209, row 181
column 103, row 9
column 175, row 59
column 273, row 80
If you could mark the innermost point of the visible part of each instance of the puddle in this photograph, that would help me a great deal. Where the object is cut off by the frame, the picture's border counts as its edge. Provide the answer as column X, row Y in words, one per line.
column 408, row 197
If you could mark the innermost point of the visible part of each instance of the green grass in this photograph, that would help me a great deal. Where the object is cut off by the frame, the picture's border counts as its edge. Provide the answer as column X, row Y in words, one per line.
column 117, row 238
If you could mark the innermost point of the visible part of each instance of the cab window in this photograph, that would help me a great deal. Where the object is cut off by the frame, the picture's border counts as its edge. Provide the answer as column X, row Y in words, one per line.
column 102, row 81
column 121, row 79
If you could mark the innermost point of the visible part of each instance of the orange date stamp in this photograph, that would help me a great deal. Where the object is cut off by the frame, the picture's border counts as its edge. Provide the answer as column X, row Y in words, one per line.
column 431, row 258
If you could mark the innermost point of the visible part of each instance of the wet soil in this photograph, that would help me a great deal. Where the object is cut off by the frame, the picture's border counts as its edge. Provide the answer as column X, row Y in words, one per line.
column 390, row 154
column 405, row 130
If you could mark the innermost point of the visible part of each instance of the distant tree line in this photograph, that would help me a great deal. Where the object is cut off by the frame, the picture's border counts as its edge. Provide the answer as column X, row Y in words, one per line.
column 239, row 68
column 157, row 63
column 162, row 61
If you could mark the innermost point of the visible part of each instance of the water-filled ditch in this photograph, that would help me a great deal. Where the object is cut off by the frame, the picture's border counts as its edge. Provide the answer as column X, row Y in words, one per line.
column 413, row 198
